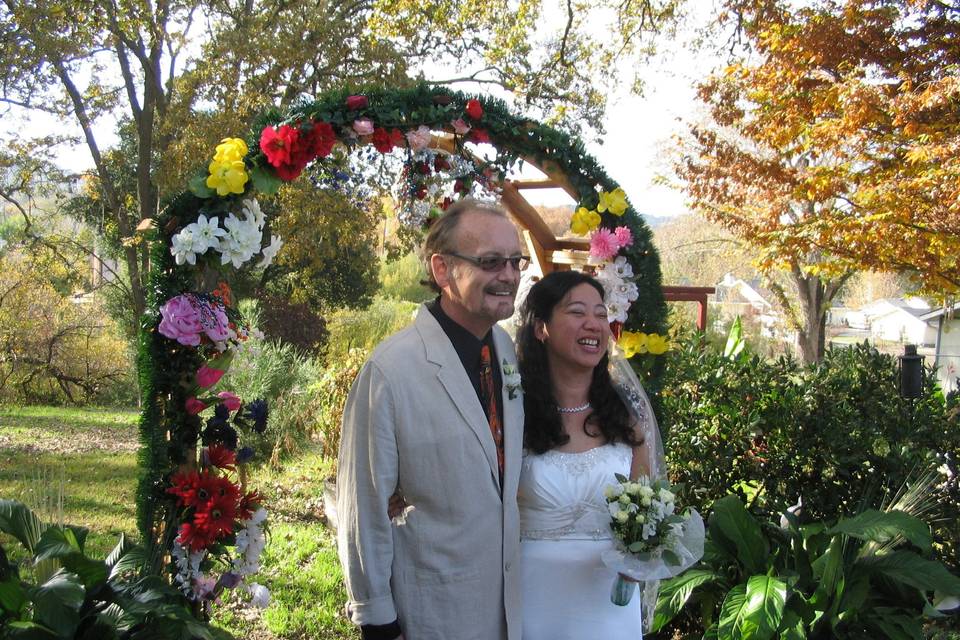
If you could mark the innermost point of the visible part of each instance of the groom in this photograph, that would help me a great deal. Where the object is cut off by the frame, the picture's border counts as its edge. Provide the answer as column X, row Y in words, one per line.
column 428, row 417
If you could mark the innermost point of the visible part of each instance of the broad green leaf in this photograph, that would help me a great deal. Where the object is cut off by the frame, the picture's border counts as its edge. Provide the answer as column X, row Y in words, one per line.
column 735, row 341
column 733, row 611
column 828, row 568
column 198, row 185
column 124, row 544
column 791, row 626
column 56, row 543
column 22, row 630
column 57, row 603
column 91, row 572
column 265, row 181
column 731, row 519
column 12, row 597
column 895, row 624
column 21, row 523
column 711, row 633
column 911, row 569
column 675, row 592
column 765, row 600
column 881, row 527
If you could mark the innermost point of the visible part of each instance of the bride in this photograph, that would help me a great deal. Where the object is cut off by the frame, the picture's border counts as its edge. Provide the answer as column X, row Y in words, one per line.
column 578, row 432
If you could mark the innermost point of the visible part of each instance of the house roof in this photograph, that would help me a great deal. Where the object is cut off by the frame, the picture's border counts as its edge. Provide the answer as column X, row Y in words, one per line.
column 936, row 313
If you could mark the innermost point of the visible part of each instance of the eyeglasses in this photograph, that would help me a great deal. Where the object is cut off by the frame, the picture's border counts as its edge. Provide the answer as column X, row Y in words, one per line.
column 494, row 263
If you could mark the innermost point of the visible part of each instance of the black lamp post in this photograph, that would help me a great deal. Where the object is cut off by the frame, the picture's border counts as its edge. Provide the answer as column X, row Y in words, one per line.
column 911, row 373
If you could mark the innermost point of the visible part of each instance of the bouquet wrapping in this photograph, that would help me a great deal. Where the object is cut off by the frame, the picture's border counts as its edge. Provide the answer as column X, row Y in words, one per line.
column 653, row 541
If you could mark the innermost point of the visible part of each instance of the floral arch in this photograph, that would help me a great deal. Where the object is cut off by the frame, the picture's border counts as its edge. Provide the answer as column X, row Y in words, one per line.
column 192, row 499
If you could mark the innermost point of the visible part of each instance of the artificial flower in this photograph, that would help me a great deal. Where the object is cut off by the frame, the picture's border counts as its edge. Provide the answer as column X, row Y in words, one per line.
column 194, row 406
column 474, row 109
column 603, row 244
column 241, row 242
column 183, row 248
column 614, row 201
column 217, row 517
column 357, row 102
column 381, row 140
column 270, row 251
column 194, row 538
column 220, row 457
column 621, row 267
column 218, row 431
column 258, row 412
column 584, row 221
column 322, row 138
column 277, row 144
column 208, row 376
column 222, row 292
column 230, row 150
column 624, row 236
column 440, row 163
column 259, row 595
column 227, row 177
column 419, row 138
column 633, row 342
column 460, row 127
column 230, row 400
column 249, row 503
column 245, row 454
column 363, row 126
column 479, row 136
column 181, row 321
column 657, row 344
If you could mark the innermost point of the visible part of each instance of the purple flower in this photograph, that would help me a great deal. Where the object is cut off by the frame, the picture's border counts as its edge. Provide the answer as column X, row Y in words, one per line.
column 181, row 320
column 258, row 412
column 245, row 454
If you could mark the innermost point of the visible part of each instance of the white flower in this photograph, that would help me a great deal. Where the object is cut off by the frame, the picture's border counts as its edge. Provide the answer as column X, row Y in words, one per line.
column 614, row 508
column 182, row 247
column 260, row 514
column 621, row 267
column 649, row 530
column 627, row 291
column 612, row 491
column 259, row 595
column 624, row 499
column 621, row 516
column 666, row 495
column 251, row 211
column 206, row 233
column 511, row 378
column 616, row 312
column 270, row 251
column 241, row 242
column 646, row 491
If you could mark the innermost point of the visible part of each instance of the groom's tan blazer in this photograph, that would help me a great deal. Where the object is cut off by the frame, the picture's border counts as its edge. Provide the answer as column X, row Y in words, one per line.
column 413, row 423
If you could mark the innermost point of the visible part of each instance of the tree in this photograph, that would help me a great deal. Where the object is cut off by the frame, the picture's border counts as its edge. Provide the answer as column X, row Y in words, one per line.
column 869, row 92
column 696, row 252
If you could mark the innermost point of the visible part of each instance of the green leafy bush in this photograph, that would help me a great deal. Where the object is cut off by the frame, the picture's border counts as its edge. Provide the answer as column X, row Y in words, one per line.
column 400, row 279
column 366, row 329
column 869, row 576
column 332, row 390
column 835, row 434
column 76, row 597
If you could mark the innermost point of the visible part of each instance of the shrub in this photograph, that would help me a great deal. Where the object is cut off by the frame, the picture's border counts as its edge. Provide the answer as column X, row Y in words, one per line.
column 836, row 433
column 366, row 329
column 860, row 577
column 400, row 280
column 332, row 391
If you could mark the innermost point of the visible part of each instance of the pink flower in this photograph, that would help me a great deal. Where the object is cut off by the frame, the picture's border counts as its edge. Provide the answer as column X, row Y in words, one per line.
column 363, row 126
column 603, row 244
column 217, row 326
column 624, row 237
column 419, row 138
column 357, row 102
column 231, row 401
column 181, row 320
column 194, row 406
column 207, row 376
column 460, row 127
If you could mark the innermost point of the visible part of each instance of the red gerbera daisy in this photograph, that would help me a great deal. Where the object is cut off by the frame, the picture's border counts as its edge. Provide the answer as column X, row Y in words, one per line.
column 217, row 518
column 249, row 503
column 194, row 538
column 221, row 457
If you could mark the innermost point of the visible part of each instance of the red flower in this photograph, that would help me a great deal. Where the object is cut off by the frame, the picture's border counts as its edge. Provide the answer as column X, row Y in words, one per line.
column 396, row 137
column 277, row 144
column 381, row 140
column 423, row 168
column 193, row 538
column 474, row 109
column 446, row 203
column 217, row 518
column 323, row 138
column 479, row 135
column 221, row 457
column 460, row 186
column 357, row 102
column 184, row 485
column 421, row 192
column 440, row 163
column 249, row 503
column 194, row 406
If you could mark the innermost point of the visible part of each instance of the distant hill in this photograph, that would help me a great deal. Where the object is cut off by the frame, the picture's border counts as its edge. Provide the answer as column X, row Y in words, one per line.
column 558, row 219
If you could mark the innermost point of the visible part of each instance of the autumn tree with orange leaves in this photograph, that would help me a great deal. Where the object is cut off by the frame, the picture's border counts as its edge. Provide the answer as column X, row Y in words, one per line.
column 834, row 146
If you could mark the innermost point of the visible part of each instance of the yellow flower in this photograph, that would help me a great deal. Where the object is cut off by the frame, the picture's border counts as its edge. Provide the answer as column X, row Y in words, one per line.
column 230, row 150
column 657, row 344
column 632, row 343
column 227, row 177
column 584, row 221
column 614, row 201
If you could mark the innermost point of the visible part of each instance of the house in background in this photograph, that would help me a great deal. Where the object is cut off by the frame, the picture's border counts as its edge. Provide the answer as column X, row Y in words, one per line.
column 946, row 344
column 754, row 304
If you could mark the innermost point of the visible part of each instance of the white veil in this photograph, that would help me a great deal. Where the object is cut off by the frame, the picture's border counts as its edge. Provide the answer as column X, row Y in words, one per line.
column 631, row 391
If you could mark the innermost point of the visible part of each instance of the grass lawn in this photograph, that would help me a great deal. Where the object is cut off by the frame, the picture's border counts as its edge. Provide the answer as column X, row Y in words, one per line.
column 91, row 453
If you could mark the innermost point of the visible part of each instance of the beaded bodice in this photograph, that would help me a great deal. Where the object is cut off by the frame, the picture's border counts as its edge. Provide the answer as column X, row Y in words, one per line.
column 561, row 494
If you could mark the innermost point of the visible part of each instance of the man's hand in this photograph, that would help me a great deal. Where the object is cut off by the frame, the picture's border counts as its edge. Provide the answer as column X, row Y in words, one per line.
column 395, row 505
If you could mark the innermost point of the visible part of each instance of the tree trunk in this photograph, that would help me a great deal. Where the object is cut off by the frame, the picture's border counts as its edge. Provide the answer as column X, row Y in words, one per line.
column 815, row 295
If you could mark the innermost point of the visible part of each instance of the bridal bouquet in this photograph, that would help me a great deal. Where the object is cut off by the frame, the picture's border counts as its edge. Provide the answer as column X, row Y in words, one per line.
column 653, row 540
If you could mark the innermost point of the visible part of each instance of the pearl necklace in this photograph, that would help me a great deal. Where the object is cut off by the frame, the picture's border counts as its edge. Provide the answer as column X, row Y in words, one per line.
column 576, row 409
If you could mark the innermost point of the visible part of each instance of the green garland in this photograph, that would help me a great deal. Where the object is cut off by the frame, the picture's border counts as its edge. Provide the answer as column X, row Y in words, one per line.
column 168, row 432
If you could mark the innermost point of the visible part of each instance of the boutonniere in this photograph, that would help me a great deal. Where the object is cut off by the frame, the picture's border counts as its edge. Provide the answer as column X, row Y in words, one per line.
column 511, row 379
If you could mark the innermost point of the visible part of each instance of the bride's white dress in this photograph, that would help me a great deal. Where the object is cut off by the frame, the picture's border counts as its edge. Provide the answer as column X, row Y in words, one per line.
column 564, row 527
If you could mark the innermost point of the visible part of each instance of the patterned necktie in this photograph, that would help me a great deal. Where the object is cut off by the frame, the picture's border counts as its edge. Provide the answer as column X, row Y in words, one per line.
column 490, row 398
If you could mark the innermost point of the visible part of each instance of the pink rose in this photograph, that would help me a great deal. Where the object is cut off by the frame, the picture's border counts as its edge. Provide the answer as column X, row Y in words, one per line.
column 231, row 401
column 419, row 138
column 207, row 376
column 357, row 102
column 363, row 126
column 194, row 406
column 217, row 327
column 181, row 321
column 460, row 127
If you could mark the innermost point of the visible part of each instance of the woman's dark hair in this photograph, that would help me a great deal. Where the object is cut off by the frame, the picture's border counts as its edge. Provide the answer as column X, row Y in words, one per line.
column 543, row 429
